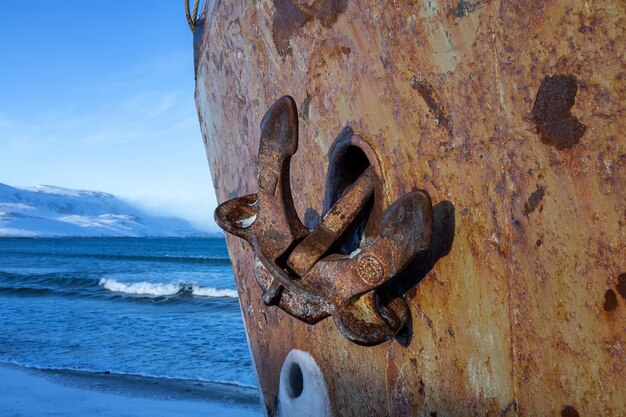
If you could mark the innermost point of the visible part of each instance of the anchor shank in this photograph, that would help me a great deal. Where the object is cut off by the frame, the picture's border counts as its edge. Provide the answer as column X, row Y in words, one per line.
column 334, row 224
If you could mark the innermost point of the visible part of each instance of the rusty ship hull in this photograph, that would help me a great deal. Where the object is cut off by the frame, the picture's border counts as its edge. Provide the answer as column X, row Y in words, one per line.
column 511, row 116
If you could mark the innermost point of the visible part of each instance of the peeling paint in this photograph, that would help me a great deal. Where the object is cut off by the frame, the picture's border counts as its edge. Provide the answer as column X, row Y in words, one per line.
column 434, row 103
column 610, row 300
column 621, row 285
column 291, row 16
column 534, row 200
column 552, row 112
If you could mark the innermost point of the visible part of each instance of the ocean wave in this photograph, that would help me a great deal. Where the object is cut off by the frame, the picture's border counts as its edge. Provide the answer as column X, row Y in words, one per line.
column 142, row 258
column 72, row 285
column 164, row 289
column 50, row 280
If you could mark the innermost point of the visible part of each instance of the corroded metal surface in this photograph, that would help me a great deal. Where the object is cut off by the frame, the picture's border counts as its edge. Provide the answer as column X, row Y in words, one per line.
column 305, row 273
column 511, row 116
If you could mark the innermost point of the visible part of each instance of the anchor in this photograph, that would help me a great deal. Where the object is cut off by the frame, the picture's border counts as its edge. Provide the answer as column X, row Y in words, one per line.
column 301, row 271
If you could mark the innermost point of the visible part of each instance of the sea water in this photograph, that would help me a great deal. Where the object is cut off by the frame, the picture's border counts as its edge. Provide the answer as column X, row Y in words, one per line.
column 164, row 308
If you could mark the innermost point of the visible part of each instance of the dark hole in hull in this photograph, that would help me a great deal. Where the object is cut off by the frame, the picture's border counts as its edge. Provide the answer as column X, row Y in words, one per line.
column 346, row 165
column 296, row 381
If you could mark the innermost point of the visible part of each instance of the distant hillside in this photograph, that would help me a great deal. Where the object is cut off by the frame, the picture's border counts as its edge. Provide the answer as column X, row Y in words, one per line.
column 46, row 211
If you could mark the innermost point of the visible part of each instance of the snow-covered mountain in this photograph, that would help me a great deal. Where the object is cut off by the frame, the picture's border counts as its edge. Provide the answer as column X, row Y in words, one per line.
column 46, row 211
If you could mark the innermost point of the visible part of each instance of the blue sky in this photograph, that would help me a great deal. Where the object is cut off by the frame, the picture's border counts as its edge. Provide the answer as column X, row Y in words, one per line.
column 98, row 95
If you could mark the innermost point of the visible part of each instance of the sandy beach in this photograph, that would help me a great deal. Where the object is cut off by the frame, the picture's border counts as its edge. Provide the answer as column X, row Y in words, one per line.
column 34, row 392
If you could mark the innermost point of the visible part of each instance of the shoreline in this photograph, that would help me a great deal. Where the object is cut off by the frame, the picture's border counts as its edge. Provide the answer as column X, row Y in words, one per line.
column 35, row 392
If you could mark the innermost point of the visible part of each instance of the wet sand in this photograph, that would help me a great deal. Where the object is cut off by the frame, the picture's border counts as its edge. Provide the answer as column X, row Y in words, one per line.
column 33, row 392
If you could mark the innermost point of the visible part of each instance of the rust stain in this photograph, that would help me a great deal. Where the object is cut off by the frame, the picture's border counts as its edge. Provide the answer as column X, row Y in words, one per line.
column 510, row 407
column 484, row 73
column 306, row 106
column 610, row 300
column 465, row 8
column 421, row 387
column 534, row 200
column 569, row 411
column 327, row 11
column 434, row 103
column 290, row 17
column 621, row 285
column 552, row 112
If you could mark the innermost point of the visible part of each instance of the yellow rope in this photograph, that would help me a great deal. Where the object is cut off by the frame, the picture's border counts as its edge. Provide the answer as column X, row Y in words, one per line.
column 193, row 16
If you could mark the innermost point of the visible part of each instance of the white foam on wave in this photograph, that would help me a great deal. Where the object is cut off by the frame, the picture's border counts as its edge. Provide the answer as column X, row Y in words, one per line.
column 213, row 292
column 164, row 289
column 140, row 288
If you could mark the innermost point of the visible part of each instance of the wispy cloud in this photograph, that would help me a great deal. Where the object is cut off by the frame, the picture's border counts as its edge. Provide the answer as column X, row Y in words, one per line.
column 141, row 142
column 121, row 108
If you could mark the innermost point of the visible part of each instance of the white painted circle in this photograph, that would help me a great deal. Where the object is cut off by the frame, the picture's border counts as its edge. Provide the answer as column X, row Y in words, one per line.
column 302, row 391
